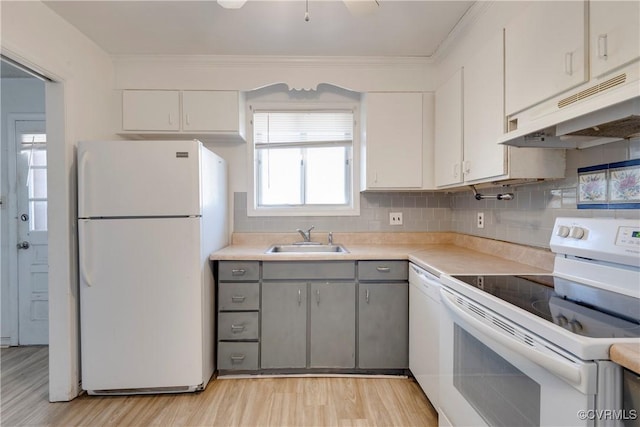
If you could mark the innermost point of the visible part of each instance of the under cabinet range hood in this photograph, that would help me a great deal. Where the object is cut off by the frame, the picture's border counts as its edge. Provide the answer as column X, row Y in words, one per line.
column 609, row 116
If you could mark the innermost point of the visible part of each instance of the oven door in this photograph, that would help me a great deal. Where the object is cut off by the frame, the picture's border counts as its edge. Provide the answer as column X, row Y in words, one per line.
column 495, row 373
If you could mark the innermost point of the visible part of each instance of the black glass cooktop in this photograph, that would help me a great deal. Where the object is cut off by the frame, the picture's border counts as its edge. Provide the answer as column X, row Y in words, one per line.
column 576, row 307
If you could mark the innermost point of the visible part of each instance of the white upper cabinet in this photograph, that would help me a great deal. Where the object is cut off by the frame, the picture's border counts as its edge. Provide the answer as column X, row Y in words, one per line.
column 151, row 110
column 448, row 134
column 545, row 52
column 190, row 113
column 470, row 120
column 614, row 35
column 484, row 112
column 210, row 111
column 392, row 141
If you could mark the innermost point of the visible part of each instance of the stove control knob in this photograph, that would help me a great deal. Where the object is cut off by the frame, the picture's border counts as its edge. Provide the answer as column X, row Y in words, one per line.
column 576, row 232
column 575, row 326
column 562, row 320
column 563, row 231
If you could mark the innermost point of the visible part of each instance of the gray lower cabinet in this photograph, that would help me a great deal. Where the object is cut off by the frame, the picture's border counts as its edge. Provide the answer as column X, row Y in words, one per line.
column 383, row 325
column 332, row 329
column 238, row 316
column 322, row 315
column 284, row 325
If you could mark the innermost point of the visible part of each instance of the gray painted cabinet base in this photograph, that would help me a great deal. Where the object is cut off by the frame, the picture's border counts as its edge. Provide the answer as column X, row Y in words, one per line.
column 383, row 322
column 284, row 325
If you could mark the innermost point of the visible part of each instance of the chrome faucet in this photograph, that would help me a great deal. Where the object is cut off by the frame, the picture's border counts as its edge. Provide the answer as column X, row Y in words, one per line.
column 306, row 235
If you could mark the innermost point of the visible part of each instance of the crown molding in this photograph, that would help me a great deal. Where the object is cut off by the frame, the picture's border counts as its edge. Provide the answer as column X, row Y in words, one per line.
column 268, row 60
column 478, row 9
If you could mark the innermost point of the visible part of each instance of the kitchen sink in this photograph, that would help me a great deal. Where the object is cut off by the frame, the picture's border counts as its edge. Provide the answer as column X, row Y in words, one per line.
column 306, row 248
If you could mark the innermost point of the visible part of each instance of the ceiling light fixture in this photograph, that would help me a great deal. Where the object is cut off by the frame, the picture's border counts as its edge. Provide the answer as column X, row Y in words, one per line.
column 232, row 4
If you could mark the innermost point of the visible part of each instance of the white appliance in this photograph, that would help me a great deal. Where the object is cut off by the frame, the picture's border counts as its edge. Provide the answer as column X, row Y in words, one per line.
column 424, row 323
column 534, row 350
column 149, row 215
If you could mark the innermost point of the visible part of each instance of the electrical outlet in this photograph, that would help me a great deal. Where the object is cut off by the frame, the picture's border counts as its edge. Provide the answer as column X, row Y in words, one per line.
column 395, row 218
column 480, row 221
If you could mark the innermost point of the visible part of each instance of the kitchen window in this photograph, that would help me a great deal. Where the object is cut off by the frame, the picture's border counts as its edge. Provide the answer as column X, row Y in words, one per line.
column 303, row 162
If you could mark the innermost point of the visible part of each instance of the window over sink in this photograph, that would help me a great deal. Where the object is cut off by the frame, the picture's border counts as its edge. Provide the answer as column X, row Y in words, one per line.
column 303, row 159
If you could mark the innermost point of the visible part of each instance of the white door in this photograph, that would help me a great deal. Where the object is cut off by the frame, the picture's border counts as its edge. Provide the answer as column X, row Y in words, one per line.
column 31, row 247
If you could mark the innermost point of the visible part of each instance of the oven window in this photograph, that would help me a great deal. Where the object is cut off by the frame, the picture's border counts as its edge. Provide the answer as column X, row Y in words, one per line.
column 498, row 391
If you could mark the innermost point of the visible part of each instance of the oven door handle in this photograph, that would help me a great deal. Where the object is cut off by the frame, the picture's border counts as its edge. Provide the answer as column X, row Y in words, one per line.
column 558, row 365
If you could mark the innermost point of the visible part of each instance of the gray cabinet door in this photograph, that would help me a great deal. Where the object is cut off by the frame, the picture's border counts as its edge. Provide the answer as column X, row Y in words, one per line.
column 284, row 325
column 333, row 326
column 383, row 325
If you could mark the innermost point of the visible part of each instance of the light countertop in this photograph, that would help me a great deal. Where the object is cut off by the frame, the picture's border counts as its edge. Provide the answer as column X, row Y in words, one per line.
column 439, row 253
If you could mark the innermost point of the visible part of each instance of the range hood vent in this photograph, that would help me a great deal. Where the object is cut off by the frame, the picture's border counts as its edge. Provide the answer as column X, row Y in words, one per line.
column 593, row 90
column 610, row 124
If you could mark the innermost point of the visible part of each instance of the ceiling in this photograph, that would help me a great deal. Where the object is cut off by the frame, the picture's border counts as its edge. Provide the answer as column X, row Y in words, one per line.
column 179, row 27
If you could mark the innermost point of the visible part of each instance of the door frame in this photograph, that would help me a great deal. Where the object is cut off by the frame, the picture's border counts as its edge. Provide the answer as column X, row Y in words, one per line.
column 12, row 205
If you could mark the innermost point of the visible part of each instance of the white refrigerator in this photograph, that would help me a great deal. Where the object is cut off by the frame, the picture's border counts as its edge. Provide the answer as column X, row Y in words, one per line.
column 149, row 215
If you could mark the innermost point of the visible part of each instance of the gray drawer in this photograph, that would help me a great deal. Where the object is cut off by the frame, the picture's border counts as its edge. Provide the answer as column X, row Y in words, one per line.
column 238, row 296
column 238, row 326
column 238, row 356
column 239, row 270
column 321, row 270
column 383, row 270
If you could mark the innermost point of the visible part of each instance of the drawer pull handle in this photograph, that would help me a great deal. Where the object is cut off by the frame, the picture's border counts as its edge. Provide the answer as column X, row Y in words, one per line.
column 383, row 269
column 238, row 298
column 237, row 358
column 237, row 328
column 366, row 296
column 238, row 271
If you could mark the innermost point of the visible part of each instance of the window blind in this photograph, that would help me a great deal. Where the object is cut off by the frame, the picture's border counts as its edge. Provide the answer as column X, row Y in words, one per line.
column 282, row 129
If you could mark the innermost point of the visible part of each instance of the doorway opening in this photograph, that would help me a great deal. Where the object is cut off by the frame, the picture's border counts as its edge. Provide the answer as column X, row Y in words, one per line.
column 23, row 213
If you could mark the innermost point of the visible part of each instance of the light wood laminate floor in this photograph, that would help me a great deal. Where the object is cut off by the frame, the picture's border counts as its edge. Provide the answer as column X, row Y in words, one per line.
column 225, row 402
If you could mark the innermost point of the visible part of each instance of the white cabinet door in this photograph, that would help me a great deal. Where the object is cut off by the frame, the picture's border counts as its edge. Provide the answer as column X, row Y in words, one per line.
column 210, row 111
column 544, row 52
column 393, row 141
column 448, row 144
column 149, row 110
column 615, row 34
column 484, row 112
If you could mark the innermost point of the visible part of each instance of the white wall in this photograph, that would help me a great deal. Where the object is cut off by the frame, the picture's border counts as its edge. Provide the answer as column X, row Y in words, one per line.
column 78, row 107
column 18, row 95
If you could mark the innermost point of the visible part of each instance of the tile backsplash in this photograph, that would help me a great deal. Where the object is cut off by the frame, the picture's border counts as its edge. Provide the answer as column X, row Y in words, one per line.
column 423, row 211
column 527, row 219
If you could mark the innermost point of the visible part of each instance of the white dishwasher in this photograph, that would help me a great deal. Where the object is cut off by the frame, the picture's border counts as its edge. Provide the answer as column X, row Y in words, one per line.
column 424, row 323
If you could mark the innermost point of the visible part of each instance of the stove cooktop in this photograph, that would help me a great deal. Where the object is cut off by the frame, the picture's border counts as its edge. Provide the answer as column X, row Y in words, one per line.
column 579, row 308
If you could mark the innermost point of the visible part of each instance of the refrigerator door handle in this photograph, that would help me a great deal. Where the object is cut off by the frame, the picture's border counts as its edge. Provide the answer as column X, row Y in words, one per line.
column 82, row 167
column 83, row 268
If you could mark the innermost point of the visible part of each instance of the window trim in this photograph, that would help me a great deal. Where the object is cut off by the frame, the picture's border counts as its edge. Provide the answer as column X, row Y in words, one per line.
column 353, row 209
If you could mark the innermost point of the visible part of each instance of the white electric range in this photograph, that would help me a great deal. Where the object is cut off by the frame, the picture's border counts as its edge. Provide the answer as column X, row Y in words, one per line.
column 534, row 349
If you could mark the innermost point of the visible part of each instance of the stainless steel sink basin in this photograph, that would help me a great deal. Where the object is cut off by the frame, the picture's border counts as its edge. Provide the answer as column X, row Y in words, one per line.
column 306, row 248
